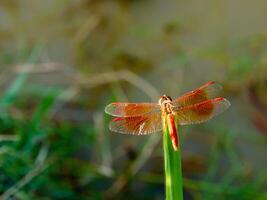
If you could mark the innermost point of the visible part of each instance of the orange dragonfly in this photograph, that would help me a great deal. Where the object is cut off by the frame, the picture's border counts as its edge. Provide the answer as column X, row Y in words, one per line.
column 145, row 118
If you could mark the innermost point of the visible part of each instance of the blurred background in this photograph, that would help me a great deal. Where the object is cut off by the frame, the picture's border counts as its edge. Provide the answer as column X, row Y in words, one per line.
column 62, row 61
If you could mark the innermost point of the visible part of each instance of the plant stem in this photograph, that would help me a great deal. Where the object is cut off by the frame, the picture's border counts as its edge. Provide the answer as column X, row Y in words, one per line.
column 173, row 168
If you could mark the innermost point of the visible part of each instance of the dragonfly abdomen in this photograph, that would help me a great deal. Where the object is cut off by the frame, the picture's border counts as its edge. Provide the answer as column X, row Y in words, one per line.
column 172, row 131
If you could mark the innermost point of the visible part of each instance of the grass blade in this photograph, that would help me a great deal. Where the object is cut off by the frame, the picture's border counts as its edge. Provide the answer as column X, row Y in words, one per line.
column 173, row 168
column 16, row 87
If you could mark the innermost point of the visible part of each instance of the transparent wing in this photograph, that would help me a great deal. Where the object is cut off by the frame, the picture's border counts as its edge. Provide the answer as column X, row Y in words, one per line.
column 137, row 125
column 200, row 112
column 205, row 92
column 131, row 109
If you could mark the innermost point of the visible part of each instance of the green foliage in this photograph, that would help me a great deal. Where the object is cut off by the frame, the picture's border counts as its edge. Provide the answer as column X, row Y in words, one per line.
column 173, row 169
column 39, row 151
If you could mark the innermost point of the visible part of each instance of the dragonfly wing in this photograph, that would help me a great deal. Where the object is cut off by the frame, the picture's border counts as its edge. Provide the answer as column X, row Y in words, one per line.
column 200, row 112
column 137, row 125
column 130, row 109
column 205, row 92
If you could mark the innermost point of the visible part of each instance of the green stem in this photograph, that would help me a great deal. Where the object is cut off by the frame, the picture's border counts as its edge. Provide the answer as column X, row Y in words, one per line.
column 173, row 168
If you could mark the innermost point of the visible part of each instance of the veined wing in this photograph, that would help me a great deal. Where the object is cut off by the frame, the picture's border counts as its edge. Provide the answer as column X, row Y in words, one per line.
column 137, row 125
column 203, row 93
column 131, row 109
column 200, row 112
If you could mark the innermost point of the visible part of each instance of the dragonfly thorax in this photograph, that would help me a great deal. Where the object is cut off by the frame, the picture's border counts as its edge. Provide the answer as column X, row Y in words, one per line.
column 165, row 103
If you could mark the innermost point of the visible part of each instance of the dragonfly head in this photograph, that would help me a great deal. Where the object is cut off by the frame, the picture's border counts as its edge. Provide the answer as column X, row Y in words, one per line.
column 164, row 99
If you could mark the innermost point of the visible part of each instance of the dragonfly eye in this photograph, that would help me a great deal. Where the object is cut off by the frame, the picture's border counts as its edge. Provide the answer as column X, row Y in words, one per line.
column 164, row 98
column 161, row 99
column 168, row 98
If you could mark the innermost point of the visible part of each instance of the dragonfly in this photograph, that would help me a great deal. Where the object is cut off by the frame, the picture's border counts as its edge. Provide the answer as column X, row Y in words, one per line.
column 193, row 107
